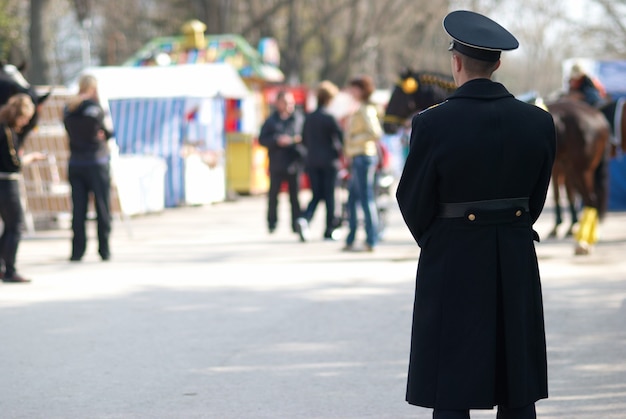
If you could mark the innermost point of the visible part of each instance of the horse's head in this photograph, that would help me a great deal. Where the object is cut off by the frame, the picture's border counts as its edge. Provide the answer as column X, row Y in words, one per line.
column 413, row 93
column 13, row 82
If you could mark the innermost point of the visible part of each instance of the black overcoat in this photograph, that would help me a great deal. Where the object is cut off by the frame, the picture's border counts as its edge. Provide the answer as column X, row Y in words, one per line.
column 323, row 139
column 478, row 336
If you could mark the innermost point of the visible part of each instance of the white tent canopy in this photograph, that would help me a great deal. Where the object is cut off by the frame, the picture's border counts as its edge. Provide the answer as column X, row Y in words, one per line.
column 188, row 80
column 155, row 110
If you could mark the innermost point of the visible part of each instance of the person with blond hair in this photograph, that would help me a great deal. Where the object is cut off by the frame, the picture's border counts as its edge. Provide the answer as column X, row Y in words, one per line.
column 14, row 116
column 361, row 147
column 323, row 139
column 88, row 167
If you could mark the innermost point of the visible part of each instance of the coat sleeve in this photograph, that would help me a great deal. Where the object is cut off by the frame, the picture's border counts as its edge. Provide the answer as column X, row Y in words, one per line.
column 268, row 136
column 102, row 120
column 417, row 188
column 338, row 132
column 9, row 159
column 298, row 123
column 337, row 135
column 538, row 196
column 96, row 112
column 306, row 130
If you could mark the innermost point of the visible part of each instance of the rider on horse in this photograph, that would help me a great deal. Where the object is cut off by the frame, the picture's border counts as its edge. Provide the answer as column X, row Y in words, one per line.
column 591, row 90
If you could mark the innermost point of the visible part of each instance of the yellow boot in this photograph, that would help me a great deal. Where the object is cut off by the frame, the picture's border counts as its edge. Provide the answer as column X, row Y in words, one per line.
column 587, row 234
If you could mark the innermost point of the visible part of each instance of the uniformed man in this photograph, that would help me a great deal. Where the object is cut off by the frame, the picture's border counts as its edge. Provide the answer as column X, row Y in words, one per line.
column 474, row 183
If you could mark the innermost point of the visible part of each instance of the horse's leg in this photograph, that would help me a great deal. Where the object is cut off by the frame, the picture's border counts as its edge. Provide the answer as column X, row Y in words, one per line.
column 573, row 209
column 586, row 236
column 557, row 206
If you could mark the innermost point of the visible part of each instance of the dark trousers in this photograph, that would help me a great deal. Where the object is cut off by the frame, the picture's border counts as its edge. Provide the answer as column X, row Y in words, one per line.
column 276, row 180
column 85, row 180
column 526, row 412
column 322, row 180
column 13, row 219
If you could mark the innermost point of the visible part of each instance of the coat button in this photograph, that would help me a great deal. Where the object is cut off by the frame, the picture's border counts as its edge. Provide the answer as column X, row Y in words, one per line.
column 471, row 217
column 518, row 213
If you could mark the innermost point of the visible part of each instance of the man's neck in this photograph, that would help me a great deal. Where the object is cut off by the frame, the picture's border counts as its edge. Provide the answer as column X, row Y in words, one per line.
column 464, row 78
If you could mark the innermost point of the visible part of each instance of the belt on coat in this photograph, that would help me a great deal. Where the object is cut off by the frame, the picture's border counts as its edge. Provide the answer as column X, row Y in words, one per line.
column 464, row 209
column 10, row 175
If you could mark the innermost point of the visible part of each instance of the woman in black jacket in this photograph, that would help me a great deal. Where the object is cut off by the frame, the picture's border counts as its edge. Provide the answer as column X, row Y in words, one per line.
column 323, row 139
column 14, row 116
column 88, row 168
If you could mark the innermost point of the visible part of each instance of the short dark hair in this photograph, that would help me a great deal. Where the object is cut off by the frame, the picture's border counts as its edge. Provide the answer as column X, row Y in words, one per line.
column 477, row 67
column 365, row 83
column 281, row 94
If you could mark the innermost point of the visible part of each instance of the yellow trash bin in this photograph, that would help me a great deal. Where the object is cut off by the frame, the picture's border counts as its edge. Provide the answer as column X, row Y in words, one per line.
column 246, row 164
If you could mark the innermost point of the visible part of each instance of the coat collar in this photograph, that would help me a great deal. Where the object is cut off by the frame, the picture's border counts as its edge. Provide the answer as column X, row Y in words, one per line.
column 481, row 89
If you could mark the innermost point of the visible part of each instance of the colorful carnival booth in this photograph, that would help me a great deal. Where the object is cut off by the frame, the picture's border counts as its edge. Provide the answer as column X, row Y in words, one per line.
column 246, row 161
column 175, row 115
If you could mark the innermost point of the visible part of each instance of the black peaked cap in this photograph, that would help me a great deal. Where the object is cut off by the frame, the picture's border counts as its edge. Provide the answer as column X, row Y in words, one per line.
column 477, row 36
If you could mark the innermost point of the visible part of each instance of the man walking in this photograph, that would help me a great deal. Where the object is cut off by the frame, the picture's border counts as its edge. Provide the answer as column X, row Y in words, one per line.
column 281, row 135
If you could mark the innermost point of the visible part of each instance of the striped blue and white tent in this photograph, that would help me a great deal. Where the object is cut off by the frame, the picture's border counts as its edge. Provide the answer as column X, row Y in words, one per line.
column 156, row 110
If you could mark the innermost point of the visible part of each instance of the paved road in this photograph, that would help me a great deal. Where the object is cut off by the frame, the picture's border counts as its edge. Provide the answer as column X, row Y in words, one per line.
column 203, row 314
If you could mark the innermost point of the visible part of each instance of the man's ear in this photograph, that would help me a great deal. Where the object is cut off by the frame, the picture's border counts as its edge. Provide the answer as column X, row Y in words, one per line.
column 457, row 62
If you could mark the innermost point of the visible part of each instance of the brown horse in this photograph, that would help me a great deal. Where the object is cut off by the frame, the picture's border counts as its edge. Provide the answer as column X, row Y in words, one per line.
column 414, row 92
column 581, row 162
column 615, row 113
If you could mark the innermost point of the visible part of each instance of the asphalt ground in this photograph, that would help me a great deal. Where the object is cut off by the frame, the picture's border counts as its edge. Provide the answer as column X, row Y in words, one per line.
column 203, row 314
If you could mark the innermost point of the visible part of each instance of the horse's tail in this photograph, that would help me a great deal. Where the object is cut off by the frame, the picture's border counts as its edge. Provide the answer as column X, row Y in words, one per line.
column 601, row 184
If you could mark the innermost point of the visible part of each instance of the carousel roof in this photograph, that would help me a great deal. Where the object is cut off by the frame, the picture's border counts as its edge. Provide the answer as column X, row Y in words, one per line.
column 228, row 48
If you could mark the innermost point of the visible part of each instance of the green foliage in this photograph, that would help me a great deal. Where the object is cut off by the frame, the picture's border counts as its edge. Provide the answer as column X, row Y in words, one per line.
column 11, row 24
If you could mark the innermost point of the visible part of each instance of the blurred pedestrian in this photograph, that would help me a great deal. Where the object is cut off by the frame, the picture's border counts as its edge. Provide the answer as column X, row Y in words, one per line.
column 89, row 166
column 14, row 116
column 361, row 146
column 323, row 139
column 474, row 183
column 281, row 134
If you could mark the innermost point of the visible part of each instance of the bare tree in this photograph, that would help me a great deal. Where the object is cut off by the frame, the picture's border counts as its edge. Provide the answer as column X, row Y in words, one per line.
column 84, row 10
column 39, row 67
column 419, row 41
column 608, row 33
column 12, row 26
column 336, row 39
column 216, row 14
column 543, row 31
column 547, row 35
column 122, row 31
column 318, row 39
